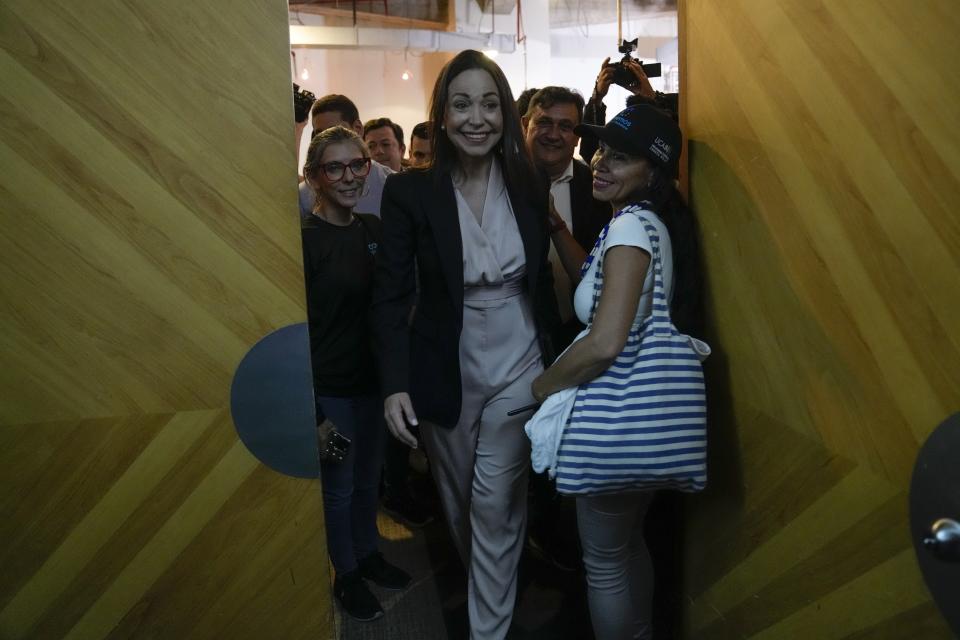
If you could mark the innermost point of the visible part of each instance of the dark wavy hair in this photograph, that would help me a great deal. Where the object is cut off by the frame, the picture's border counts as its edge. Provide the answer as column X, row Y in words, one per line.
column 518, row 172
column 664, row 199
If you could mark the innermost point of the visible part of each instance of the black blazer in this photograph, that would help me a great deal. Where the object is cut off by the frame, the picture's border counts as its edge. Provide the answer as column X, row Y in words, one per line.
column 420, row 226
column 589, row 215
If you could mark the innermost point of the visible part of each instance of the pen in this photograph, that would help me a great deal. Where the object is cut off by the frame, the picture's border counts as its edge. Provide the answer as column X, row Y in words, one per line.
column 529, row 407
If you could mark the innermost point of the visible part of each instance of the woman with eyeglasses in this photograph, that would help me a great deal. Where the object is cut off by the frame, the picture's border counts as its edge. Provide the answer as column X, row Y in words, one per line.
column 339, row 248
column 471, row 228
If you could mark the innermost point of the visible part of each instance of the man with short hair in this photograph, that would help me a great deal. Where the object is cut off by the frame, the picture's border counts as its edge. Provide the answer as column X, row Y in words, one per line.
column 548, row 125
column 384, row 138
column 338, row 110
column 421, row 149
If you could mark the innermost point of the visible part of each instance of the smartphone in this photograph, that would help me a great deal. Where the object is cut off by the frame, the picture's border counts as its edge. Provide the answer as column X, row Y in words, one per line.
column 339, row 441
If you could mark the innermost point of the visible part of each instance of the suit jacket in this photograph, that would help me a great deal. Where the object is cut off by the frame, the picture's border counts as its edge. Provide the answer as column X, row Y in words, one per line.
column 588, row 218
column 589, row 215
column 421, row 242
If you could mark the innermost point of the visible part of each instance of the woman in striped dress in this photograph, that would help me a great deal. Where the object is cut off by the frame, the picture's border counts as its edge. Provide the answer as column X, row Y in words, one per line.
column 634, row 170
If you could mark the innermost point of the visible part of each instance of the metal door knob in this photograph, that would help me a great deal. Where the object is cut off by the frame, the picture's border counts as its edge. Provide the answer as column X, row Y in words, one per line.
column 944, row 540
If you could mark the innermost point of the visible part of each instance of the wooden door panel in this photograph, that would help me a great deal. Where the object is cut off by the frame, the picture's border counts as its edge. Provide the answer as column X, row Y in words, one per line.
column 148, row 201
column 823, row 171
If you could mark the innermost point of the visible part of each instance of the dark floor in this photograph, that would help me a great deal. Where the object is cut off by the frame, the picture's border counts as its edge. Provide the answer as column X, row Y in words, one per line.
column 551, row 603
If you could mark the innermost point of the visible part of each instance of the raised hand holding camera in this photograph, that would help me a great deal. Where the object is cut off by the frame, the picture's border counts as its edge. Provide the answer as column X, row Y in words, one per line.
column 604, row 79
column 642, row 86
column 626, row 73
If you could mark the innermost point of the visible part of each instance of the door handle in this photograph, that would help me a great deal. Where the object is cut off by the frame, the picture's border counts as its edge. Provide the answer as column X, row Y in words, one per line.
column 943, row 541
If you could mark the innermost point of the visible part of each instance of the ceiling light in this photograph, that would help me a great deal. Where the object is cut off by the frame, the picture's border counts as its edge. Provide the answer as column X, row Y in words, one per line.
column 491, row 53
column 304, row 75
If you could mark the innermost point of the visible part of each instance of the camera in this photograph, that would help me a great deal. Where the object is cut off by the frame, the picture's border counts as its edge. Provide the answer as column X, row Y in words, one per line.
column 302, row 101
column 623, row 76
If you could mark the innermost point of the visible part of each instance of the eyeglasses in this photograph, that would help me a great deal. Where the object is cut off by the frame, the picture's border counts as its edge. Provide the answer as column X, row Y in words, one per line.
column 334, row 171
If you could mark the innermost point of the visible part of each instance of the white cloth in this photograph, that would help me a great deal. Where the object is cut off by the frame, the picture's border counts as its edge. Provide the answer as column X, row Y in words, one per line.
column 627, row 230
column 545, row 427
column 562, row 288
column 560, row 190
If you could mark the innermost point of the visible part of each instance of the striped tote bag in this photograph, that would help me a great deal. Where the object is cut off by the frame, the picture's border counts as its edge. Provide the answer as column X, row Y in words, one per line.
column 641, row 424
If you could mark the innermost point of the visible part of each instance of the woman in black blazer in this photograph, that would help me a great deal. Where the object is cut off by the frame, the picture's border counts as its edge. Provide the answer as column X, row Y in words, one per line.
column 472, row 230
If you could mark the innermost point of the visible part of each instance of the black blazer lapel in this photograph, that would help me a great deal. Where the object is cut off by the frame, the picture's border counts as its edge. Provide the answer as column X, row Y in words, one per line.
column 533, row 235
column 440, row 208
column 589, row 215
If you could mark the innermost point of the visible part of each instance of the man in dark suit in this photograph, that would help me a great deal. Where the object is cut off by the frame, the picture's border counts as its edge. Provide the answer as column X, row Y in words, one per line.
column 548, row 125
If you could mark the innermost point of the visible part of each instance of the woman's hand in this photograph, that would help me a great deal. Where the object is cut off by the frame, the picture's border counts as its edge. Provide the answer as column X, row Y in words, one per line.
column 604, row 79
column 333, row 446
column 398, row 411
column 537, row 389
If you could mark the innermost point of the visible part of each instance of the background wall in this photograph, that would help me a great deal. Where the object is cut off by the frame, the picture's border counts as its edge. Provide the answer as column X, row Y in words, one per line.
column 569, row 54
column 825, row 171
column 372, row 79
column 150, row 239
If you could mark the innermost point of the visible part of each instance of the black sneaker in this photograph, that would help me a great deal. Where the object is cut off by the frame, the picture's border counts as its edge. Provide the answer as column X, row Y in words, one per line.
column 383, row 574
column 403, row 508
column 355, row 597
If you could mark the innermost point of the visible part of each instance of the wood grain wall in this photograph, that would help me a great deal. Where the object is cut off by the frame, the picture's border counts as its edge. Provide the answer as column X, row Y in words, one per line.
column 825, row 170
column 150, row 238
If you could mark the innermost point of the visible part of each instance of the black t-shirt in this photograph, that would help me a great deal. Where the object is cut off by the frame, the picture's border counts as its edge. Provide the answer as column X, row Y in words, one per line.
column 338, row 265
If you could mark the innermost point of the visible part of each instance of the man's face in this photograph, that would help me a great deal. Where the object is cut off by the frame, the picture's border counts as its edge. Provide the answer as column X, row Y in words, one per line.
column 327, row 119
column 384, row 147
column 420, row 151
column 550, row 138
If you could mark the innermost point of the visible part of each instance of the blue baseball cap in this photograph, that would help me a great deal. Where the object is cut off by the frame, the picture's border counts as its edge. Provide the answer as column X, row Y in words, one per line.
column 641, row 130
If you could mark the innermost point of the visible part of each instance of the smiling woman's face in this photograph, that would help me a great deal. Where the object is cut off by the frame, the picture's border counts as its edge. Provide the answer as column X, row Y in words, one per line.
column 617, row 176
column 337, row 157
column 473, row 119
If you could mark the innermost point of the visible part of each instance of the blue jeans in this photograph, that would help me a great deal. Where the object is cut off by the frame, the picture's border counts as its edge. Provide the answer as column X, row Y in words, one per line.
column 351, row 486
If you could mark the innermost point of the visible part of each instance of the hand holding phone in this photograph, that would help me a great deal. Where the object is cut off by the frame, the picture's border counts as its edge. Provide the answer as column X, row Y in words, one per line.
column 333, row 445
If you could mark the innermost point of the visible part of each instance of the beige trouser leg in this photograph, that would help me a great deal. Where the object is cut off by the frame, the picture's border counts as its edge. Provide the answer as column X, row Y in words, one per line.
column 480, row 465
